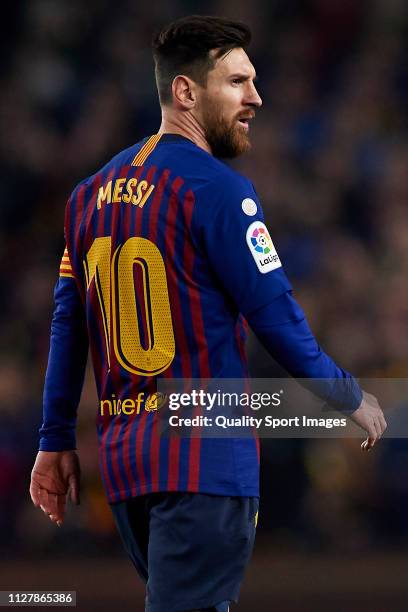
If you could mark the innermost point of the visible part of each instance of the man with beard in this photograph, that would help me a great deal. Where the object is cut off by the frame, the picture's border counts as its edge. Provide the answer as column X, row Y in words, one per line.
column 167, row 251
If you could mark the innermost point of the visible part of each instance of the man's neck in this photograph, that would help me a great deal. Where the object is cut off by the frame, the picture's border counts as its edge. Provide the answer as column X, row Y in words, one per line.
column 185, row 124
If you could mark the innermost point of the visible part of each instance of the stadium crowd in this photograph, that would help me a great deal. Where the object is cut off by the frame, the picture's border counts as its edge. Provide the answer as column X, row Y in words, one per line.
column 330, row 164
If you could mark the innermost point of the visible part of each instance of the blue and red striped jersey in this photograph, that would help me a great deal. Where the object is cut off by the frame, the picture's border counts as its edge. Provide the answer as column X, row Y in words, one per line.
column 167, row 253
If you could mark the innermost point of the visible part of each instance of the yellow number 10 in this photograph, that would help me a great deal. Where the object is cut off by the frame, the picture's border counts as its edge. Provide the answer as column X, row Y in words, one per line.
column 115, row 286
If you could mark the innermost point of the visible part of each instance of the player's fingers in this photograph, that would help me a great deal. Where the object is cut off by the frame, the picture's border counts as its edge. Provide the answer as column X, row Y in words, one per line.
column 54, row 507
column 54, row 518
column 378, row 428
column 74, row 489
column 62, row 500
column 371, row 434
column 44, row 501
column 35, row 494
column 368, row 444
column 383, row 422
column 371, row 441
column 52, row 503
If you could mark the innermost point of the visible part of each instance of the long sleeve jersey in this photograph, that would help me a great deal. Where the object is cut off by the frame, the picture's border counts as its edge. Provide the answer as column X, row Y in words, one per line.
column 167, row 257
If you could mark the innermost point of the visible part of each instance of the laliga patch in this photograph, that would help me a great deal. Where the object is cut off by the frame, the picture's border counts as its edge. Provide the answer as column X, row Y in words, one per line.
column 261, row 246
column 249, row 207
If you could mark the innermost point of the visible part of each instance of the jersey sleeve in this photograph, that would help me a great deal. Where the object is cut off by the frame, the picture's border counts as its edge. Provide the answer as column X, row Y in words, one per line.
column 233, row 236
column 282, row 328
column 66, row 364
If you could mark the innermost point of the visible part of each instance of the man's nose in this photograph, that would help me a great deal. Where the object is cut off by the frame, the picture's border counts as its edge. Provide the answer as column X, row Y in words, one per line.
column 253, row 96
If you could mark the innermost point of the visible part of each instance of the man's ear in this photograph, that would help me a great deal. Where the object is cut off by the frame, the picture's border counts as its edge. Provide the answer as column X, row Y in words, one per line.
column 184, row 92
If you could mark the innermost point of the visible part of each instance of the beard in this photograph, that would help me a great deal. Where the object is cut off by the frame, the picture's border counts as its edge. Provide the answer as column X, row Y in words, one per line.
column 227, row 139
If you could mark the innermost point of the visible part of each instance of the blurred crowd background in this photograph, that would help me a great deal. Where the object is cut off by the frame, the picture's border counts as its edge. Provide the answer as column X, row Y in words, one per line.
column 330, row 164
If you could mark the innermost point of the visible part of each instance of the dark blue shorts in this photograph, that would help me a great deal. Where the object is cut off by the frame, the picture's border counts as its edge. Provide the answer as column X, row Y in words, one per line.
column 190, row 548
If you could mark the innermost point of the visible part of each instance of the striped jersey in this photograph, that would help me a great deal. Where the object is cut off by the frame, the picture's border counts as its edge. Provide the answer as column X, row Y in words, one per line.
column 166, row 254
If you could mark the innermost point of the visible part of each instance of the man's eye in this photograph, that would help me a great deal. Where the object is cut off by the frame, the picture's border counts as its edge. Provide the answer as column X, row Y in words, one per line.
column 237, row 81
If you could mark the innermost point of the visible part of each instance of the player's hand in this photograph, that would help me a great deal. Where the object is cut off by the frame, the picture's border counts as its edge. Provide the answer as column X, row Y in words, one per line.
column 370, row 417
column 55, row 475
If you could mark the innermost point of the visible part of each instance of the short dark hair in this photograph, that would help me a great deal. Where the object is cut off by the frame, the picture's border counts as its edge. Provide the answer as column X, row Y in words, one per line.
column 183, row 47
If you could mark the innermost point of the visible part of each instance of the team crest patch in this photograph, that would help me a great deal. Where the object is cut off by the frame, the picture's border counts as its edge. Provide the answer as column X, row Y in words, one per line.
column 155, row 401
column 261, row 246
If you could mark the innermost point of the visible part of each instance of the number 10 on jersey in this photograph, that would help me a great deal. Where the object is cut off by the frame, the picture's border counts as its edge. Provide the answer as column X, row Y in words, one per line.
column 114, row 280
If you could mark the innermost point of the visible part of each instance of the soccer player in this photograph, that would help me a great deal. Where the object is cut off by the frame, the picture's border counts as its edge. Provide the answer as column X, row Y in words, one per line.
column 166, row 253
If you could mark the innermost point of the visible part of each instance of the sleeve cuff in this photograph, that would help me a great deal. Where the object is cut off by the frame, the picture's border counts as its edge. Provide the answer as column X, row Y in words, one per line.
column 57, row 444
column 346, row 395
